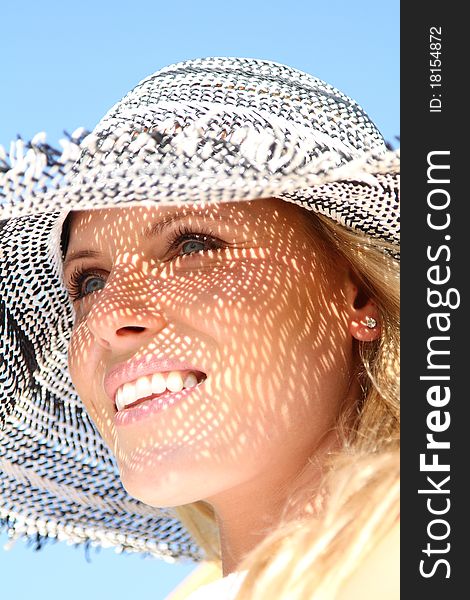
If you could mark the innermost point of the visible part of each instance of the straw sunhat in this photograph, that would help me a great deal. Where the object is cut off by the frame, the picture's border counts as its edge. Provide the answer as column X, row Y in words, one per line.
column 218, row 129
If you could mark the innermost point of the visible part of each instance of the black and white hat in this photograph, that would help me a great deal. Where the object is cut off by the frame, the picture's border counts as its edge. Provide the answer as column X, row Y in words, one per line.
column 215, row 129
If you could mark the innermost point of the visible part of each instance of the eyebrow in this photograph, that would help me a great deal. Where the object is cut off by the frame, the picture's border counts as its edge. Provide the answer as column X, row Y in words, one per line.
column 151, row 231
column 159, row 226
column 80, row 254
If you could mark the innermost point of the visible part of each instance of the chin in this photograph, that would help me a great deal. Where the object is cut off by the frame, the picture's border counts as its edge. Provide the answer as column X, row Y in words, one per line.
column 162, row 490
column 149, row 492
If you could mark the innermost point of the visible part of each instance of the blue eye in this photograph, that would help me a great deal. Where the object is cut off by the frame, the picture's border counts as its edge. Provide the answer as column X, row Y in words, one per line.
column 96, row 284
column 187, row 241
column 192, row 246
column 83, row 283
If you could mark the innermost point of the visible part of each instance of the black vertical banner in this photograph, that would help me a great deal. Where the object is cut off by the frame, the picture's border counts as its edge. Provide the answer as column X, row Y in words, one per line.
column 435, row 312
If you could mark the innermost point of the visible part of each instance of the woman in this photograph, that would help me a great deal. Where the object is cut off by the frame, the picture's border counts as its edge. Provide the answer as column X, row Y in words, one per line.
column 237, row 353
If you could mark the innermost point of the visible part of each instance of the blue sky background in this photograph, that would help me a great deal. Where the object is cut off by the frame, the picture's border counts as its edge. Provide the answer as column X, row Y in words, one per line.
column 63, row 64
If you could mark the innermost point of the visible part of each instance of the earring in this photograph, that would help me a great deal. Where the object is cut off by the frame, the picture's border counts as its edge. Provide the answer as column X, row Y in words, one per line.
column 369, row 322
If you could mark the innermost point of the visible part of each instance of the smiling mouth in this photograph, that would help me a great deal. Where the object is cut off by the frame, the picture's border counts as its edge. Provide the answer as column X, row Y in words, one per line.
column 156, row 385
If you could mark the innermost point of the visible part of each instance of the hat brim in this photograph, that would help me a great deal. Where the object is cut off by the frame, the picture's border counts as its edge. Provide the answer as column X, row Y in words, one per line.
column 359, row 192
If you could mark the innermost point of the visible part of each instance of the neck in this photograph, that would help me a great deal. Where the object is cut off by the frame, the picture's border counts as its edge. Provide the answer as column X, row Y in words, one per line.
column 247, row 514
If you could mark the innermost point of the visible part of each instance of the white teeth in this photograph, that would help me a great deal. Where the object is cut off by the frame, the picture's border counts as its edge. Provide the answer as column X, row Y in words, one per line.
column 128, row 393
column 158, row 383
column 143, row 387
column 190, row 381
column 174, row 381
column 120, row 400
column 153, row 384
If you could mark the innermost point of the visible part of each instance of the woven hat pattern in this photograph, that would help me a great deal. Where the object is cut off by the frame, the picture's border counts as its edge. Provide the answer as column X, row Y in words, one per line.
column 220, row 129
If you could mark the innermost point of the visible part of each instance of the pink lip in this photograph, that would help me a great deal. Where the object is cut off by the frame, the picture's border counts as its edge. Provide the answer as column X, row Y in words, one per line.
column 133, row 369
column 138, row 413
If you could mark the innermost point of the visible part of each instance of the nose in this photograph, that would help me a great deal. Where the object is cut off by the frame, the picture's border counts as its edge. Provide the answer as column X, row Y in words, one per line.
column 125, row 313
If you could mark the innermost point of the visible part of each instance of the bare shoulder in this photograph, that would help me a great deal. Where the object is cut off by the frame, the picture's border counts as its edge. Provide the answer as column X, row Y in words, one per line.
column 378, row 576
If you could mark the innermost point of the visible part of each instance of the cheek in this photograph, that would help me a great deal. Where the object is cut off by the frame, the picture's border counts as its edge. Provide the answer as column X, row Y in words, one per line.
column 237, row 299
column 86, row 371
column 260, row 297
column 280, row 335
column 293, row 353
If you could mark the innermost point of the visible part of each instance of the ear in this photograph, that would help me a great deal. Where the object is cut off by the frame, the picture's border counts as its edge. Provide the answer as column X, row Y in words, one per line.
column 364, row 319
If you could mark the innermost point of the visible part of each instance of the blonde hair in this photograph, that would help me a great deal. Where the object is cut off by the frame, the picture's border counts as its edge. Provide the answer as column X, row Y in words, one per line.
column 311, row 557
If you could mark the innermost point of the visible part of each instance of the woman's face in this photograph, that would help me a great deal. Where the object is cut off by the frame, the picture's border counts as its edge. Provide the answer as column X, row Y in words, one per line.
column 235, row 292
